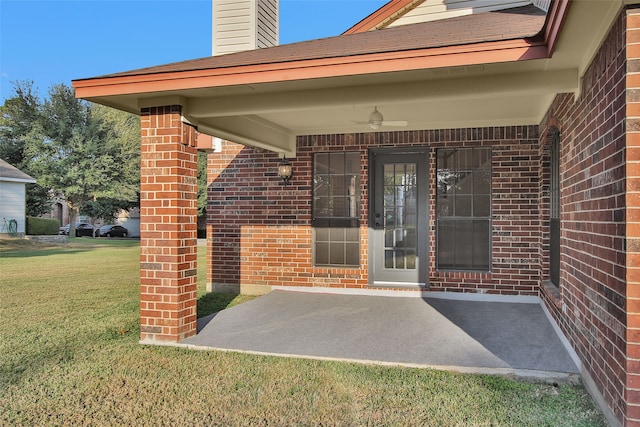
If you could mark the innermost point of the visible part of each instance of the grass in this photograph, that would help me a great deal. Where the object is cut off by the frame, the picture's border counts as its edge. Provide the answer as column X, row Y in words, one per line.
column 69, row 355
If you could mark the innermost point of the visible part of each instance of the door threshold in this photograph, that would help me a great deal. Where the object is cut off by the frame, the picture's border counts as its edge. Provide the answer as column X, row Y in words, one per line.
column 399, row 285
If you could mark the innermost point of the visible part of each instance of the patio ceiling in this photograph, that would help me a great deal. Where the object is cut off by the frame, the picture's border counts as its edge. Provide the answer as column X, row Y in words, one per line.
column 493, row 83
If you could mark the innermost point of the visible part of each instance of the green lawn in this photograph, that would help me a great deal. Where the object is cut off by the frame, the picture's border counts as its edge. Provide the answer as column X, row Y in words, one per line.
column 69, row 355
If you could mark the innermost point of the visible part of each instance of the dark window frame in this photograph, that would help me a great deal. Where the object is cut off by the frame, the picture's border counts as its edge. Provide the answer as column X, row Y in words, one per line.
column 335, row 209
column 554, row 209
column 464, row 207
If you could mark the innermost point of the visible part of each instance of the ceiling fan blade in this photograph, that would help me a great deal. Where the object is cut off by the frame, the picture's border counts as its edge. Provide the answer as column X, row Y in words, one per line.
column 394, row 123
column 359, row 122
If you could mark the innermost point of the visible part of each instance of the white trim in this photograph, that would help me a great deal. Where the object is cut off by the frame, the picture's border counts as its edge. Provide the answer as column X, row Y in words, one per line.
column 563, row 338
column 404, row 285
column 351, row 291
column 591, row 387
column 410, row 293
column 25, row 180
column 587, row 381
column 470, row 296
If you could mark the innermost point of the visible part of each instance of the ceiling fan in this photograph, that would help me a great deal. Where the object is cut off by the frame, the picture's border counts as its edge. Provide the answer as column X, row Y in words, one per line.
column 376, row 120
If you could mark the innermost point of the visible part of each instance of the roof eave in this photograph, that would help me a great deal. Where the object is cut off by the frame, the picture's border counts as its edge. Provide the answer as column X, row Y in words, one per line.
column 428, row 58
column 18, row 180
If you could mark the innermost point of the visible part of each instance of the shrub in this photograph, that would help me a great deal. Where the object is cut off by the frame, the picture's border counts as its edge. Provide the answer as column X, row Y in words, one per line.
column 42, row 226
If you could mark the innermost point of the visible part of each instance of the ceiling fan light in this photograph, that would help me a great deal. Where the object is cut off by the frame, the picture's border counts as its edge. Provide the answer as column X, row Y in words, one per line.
column 376, row 116
column 375, row 119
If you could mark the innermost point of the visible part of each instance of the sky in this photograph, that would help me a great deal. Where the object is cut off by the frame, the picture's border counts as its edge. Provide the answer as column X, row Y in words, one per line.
column 56, row 41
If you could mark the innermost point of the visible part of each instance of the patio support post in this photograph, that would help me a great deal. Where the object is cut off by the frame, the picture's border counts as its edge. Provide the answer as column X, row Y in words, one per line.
column 168, row 226
column 632, row 195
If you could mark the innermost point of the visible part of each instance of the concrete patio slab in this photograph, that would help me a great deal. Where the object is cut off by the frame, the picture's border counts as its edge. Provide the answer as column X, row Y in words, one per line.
column 469, row 336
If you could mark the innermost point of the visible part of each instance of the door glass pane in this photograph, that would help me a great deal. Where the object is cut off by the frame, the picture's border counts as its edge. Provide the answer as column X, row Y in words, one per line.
column 388, row 238
column 411, row 238
column 411, row 260
column 389, row 197
column 400, row 220
column 400, row 260
column 400, row 206
column 389, row 218
column 388, row 259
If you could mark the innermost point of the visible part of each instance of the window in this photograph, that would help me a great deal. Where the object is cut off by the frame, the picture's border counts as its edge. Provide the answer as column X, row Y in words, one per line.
column 336, row 208
column 554, row 210
column 463, row 209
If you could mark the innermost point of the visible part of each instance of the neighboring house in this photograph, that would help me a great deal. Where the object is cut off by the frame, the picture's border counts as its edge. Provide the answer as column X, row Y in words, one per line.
column 13, row 199
column 515, row 173
column 59, row 211
column 129, row 219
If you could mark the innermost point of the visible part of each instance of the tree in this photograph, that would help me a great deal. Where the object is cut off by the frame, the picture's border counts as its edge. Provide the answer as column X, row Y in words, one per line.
column 82, row 155
column 106, row 208
column 123, row 129
column 87, row 154
column 20, row 126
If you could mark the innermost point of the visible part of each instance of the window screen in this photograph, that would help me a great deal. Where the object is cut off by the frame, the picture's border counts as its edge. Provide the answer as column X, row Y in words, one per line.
column 463, row 209
column 336, row 208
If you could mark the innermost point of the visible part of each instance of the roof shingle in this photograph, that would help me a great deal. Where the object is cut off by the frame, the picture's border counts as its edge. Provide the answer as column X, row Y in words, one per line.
column 9, row 172
column 509, row 24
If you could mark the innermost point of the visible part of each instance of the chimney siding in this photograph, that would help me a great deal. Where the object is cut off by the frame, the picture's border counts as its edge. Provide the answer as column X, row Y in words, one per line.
column 240, row 25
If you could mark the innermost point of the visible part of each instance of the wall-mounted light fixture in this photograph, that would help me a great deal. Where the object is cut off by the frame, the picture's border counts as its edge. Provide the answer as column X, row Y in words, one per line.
column 285, row 171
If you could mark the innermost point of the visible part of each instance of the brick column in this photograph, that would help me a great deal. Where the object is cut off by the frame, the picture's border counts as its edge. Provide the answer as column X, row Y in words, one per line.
column 632, row 366
column 168, row 226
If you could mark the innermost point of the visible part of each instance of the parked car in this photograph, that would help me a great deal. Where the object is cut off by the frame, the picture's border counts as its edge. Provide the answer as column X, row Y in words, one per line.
column 82, row 229
column 112, row 230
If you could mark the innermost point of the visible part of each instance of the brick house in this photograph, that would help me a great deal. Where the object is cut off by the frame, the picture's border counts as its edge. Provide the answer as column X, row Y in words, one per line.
column 508, row 167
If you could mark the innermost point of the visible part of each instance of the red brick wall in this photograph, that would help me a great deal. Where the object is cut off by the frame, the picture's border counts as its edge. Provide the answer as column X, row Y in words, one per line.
column 261, row 234
column 168, row 229
column 592, row 182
